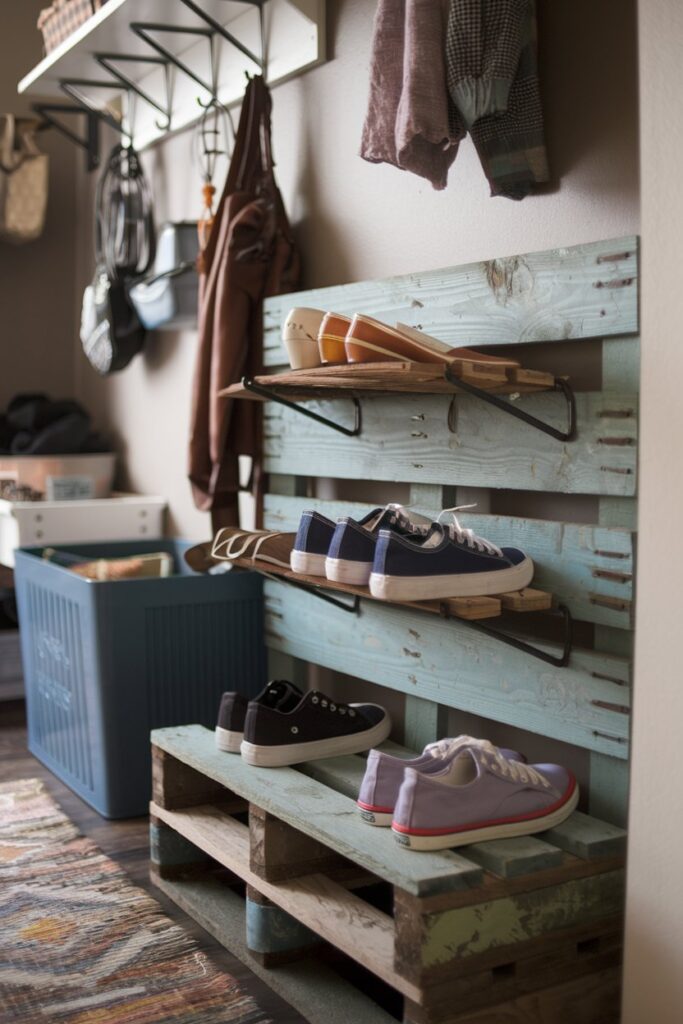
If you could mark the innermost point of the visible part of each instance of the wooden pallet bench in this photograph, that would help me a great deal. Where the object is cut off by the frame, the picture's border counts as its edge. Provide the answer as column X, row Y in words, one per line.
column 488, row 925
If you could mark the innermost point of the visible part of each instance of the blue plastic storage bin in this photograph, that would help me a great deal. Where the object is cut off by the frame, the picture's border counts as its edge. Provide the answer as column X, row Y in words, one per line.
column 105, row 662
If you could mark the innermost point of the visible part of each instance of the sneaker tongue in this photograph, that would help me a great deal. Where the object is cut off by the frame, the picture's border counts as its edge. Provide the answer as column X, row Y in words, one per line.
column 446, row 746
column 282, row 692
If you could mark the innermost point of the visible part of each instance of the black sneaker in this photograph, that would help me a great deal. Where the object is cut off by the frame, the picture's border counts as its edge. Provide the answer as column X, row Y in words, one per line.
column 233, row 711
column 315, row 727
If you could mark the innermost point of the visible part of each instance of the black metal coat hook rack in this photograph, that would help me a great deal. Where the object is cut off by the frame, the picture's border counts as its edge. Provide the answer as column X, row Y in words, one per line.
column 107, row 61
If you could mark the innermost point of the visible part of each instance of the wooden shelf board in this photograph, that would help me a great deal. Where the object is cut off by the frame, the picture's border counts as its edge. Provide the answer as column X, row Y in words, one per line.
column 469, row 608
column 396, row 378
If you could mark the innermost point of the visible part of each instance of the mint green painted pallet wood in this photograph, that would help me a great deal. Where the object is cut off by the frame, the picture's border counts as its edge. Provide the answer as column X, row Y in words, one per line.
column 586, row 703
column 585, row 291
column 410, row 439
column 588, row 568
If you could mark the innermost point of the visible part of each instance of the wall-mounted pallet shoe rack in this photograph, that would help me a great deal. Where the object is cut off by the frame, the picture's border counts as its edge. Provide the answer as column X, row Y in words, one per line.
column 500, row 926
column 484, row 380
column 174, row 57
column 459, row 930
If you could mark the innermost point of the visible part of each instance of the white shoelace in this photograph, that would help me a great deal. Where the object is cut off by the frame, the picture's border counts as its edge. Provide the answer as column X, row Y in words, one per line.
column 517, row 770
column 411, row 523
column 464, row 536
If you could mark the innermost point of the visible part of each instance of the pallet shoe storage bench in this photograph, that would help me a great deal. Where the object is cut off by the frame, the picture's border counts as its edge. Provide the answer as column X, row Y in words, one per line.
column 520, row 930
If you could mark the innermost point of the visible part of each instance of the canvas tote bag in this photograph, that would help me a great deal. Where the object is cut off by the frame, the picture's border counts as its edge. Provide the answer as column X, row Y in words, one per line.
column 24, row 174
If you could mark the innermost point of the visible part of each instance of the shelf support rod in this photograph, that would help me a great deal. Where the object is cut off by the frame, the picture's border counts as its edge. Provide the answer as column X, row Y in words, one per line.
column 560, row 385
column 352, row 608
column 272, row 396
column 560, row 661
column 90, row 143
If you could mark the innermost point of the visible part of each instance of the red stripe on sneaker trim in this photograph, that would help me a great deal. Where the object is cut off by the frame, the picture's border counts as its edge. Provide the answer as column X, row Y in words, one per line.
column 473, row 826
column 376, row 810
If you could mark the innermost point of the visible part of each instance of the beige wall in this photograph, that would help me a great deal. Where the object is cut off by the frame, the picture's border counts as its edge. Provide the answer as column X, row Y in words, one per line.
column 654, row 946
column 356, row 220
column 37, row 280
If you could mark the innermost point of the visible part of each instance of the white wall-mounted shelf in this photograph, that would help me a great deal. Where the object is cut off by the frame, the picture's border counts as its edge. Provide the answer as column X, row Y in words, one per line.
column 294, row 37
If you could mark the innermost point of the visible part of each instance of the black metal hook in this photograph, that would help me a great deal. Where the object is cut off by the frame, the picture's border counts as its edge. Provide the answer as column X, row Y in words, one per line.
column 106, row 60
column 272, row 396
column 90, row 143
column 508, row 407
column 535, row 652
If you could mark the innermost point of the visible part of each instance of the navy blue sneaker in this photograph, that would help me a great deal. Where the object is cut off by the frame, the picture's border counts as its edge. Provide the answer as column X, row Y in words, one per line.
column 311, row 544
column 448, row 561
column 352, row 549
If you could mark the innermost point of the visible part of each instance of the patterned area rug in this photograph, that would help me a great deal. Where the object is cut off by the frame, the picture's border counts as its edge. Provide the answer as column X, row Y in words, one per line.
column 82, row 945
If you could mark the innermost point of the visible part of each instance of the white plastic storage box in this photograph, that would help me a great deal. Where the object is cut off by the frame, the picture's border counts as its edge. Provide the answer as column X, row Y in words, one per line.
column 123, row 517
column 106, row 662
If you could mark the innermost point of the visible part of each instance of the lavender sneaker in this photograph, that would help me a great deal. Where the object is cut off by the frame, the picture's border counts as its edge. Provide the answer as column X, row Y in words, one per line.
column 384, row 775
column 480, row 796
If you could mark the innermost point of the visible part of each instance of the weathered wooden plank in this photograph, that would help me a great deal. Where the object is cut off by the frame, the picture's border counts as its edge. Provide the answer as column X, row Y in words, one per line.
column 585, row 703
column 586, row 567
column 591, row 999
column 274, row 936
column 587, row 837
column 338, row 916
column 510, row 858
column 314, row 990
column 585, row 291
column 471, row 931
column 462, row 441
column 320, row 813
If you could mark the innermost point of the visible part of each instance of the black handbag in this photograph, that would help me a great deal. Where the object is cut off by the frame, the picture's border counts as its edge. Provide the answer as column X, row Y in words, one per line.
column 125, row 243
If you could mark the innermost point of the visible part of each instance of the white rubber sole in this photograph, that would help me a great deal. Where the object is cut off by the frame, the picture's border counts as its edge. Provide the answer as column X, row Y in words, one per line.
column 480, row 835
column 228, row 740
column 471, row 584
column 341, row 570
column 375, row 818
column 294, row 753
column 307, row 564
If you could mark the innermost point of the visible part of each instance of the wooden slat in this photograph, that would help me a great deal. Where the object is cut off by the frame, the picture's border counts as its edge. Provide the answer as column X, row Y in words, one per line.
column 585, row 291
column 320, row 813
column 588, row 837
column 463, row 441
column 315, row 990
column 585, row 703
column 570, row 559
column 479, row 929
column 510, row 858
column 338, row 916
column 527, row 600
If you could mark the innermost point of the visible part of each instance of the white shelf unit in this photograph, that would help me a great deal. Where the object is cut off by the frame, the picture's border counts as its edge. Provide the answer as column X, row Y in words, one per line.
column 293, row 37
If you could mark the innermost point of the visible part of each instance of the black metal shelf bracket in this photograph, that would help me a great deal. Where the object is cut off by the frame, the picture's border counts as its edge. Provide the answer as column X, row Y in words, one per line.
column 90, row 142
column 218, row 29
column 272, row 396
column 107, row 61
column 560, row 385
column 560, row 661
column 144, row 29
column 71, row 86
column 353, row 608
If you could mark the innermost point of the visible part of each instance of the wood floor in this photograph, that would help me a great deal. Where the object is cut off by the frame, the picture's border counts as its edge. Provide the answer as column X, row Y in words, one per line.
column 126, row 842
